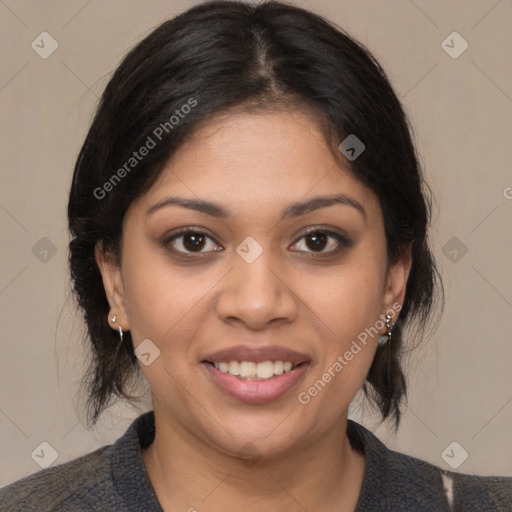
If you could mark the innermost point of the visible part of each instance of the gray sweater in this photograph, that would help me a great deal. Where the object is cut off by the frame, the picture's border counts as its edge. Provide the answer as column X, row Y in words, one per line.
column 114, row 478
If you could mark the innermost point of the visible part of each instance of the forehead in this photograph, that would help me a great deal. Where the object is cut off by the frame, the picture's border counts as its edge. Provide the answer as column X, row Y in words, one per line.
column 250, row 161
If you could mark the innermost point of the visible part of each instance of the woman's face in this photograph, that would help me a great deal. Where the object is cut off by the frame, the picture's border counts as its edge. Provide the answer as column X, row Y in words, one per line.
column 253, row 284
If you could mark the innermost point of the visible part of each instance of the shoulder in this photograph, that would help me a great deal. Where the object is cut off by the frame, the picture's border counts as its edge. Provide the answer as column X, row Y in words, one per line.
column 460, row 491
column 492, row 492
column 396, row 481
column 100, row 480
column 73, row 484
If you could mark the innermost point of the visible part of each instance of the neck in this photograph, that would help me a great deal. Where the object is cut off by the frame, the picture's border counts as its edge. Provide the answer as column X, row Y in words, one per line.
column 187, row 474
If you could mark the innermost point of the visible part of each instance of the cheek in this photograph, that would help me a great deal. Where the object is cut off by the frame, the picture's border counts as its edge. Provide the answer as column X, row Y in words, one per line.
column 349, row 305
column 169, row 304
column 166, row 305
column 161, row 304
column 349, row 298
column 156, row 295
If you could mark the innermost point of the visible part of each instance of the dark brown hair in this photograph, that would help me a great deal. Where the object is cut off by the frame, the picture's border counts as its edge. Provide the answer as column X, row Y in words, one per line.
column 224, row 55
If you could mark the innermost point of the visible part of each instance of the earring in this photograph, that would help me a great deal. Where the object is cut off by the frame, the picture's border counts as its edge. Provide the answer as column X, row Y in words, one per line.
column 386, row 338
column 389, row 325
column 119, row 328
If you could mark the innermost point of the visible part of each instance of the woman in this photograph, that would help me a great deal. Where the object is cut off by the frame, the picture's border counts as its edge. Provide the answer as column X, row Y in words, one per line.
column 249, row 233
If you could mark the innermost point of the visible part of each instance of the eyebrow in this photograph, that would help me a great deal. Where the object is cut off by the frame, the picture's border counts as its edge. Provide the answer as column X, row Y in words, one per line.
column 294, row 210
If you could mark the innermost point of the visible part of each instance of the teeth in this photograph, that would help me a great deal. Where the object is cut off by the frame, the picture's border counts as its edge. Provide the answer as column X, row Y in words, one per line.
column 254, row 371
column 265, row 370
column 234, row 368
column 224, row 367
column 247, row 369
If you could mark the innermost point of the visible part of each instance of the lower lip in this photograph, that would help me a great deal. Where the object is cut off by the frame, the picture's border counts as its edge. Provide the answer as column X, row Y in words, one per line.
column 256, row 391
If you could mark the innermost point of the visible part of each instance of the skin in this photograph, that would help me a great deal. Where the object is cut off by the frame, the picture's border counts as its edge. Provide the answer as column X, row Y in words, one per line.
column 313, row 300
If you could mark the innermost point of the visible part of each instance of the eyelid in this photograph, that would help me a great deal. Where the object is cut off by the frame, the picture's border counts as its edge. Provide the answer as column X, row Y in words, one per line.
column 326, row 230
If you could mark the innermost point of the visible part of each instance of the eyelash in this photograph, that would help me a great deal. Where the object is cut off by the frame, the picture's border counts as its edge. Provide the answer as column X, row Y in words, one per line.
column 343, row 241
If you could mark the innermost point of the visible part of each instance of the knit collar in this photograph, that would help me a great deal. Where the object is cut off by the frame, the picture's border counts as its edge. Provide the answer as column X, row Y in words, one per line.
column 135, row 486
column 137, row 490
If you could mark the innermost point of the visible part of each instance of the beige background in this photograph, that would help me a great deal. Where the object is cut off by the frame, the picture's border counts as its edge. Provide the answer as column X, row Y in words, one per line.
column 460, row 381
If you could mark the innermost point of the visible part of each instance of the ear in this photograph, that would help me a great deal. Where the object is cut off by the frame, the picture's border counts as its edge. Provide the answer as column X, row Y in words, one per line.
column 398, row 274
column 113, row 284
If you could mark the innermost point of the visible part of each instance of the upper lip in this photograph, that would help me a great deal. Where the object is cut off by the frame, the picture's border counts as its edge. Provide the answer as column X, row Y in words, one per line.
column 257, row 354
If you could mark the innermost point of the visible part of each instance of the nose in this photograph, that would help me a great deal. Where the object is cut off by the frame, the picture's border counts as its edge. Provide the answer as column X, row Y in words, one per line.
column 256, row 294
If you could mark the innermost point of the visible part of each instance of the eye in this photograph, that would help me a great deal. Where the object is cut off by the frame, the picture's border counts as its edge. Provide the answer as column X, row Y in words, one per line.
column 323, row 241
column 190, row 241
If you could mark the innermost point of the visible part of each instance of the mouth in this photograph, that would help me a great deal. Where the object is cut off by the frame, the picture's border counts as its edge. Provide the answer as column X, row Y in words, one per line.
column 256, row 375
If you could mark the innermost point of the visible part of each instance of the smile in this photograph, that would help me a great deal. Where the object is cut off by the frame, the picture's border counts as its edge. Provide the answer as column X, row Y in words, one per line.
column 252, row 370
column 253, row 389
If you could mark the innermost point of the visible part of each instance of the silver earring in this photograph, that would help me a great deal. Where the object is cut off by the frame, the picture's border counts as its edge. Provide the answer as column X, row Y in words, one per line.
column 383, row 339
column 119, row 328
column 389, row 325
